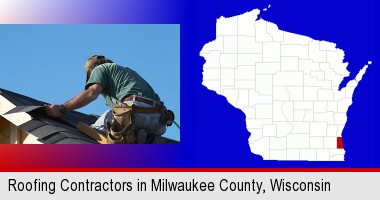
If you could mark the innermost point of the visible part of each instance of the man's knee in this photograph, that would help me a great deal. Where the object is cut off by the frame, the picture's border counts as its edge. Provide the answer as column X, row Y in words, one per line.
column 158, row 140
column 100, row 124
column 160, row 130
column 141, row 136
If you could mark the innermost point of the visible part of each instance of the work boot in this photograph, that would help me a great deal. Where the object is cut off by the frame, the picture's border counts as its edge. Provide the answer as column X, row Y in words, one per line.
column 158, row 140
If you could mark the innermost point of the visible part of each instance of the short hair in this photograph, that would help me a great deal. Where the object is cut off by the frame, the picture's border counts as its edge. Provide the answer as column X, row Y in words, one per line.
column 94, row 61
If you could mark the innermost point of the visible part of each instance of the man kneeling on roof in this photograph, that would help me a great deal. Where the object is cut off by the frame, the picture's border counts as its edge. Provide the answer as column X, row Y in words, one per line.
column 120, row 84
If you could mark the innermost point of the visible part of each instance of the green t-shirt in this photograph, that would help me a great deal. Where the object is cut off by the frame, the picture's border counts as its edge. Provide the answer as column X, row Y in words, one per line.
column 119, row 82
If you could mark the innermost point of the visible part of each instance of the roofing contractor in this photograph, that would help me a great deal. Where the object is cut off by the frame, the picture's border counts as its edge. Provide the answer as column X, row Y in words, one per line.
column 65, row 185
column 137, row 114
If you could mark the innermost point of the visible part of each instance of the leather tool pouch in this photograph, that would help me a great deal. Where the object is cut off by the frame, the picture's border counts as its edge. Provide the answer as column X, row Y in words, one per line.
column 120, row 131
column 167, row 116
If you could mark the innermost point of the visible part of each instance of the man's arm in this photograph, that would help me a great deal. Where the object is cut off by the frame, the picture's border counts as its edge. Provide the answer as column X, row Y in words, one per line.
column 82, row 99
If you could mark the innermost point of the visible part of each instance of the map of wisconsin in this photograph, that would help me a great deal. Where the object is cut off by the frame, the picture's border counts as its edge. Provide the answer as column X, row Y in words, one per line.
column 286, row 84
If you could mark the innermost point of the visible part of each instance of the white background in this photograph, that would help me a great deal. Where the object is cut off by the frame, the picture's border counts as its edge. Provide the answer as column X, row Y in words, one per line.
column 344, row 185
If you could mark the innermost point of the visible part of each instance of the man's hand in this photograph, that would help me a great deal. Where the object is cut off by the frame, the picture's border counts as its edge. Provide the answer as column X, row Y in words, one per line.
column 53, row 110
column 82, row 99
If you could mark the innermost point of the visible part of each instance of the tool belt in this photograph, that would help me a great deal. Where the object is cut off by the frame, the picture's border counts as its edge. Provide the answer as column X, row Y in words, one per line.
column 142, row 99
column 120, row 130
column 167, row 116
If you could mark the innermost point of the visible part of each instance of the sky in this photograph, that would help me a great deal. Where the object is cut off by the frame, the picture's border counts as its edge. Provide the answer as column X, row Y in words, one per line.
column 46, row 62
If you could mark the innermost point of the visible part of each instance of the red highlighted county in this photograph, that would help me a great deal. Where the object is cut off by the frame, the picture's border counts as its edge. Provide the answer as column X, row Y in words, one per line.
column 339, row 143
column 286, row 84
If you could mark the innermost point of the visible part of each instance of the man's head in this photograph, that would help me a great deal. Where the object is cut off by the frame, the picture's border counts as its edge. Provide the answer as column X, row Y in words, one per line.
column 94, row 61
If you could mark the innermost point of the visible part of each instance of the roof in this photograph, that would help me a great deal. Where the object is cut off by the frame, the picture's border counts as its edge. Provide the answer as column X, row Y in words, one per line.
column 49, row 130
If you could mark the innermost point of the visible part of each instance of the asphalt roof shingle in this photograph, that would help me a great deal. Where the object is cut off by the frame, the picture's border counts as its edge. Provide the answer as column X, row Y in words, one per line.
column 52, row 130
column 48, row 130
